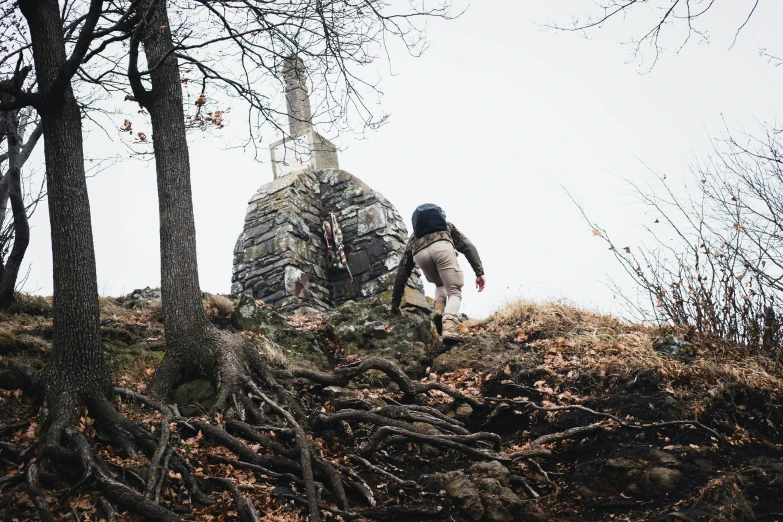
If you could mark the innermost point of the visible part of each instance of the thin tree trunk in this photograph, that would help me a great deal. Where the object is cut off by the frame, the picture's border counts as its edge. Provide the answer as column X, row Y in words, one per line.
column 4, row 196
column 18, row 210
column 188, row 349
column 76, row 371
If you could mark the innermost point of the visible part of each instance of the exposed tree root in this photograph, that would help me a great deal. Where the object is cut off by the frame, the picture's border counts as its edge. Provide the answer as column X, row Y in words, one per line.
column 108, row 510
column 403, row 514
column 388, row 435
column 305, row 458
column 567, row 434
column 264, row 422
column 115, row 490
column 618, row 420
column 343, row 375
column 245, row 508
column 383, row 473
column 34, row 487
column 286, row 477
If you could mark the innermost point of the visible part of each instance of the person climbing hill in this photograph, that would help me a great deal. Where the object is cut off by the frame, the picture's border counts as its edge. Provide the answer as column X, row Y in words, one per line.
column 432, row 247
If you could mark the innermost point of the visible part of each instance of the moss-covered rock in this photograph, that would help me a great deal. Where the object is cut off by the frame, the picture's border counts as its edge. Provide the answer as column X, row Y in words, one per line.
column 194, row 397
column 481, row 352
column 305, row 347
column 370, row 328
column 352, row 330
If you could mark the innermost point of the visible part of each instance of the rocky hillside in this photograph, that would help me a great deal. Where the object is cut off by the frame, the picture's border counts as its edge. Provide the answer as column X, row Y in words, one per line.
column 544, row 412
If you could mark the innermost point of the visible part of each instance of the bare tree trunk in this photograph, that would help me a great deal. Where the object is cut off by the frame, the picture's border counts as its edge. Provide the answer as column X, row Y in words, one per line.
column 16, row 158
column 76, row 373
column 4, row 196
column 189, row 345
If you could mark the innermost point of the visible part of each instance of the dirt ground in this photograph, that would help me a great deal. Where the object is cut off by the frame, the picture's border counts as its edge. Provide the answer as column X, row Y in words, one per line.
column 593, row 424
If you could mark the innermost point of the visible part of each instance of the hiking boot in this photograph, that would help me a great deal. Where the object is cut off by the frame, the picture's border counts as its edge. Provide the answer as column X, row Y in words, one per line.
column 451, row 332
column 438, row 308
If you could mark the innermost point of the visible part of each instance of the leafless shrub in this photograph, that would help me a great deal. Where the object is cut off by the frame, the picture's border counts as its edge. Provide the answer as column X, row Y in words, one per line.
column 721, row 277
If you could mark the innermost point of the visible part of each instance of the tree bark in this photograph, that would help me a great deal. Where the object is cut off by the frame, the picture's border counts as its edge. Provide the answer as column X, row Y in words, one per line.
column 190, row 347
column 76, row 373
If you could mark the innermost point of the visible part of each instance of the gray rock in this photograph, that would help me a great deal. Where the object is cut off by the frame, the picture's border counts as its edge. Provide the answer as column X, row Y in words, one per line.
column 194, row 397
column 640, row 478
column 428, row 450
column 663, row 479
column 301, row 347
column 480, row 352
column 370, row 328
column 674, row 346
column 306, row 310
column 493, row 469
column 460, row 489
column 500, row 503
column 141, row 298
column 664, row 457
column 413, row 299
column 623, row 464
column 482, row 494
column 372, row 218
column 376, row 329
column 463, row 411
column 338, row 391
column 359, row 262
column 354, row 329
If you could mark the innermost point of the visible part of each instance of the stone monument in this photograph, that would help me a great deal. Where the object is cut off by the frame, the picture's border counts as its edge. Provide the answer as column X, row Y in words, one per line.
column 282, row 257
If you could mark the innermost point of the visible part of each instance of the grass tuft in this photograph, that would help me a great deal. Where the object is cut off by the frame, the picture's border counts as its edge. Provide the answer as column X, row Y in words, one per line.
column 7, row 338
column 156, row 310
column 220, row 305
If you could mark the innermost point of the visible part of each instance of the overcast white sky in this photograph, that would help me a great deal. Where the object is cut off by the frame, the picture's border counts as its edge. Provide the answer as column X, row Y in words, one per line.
column 488, row 123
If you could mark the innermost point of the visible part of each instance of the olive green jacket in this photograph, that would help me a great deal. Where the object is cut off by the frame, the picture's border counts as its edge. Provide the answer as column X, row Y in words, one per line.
column 415, row 244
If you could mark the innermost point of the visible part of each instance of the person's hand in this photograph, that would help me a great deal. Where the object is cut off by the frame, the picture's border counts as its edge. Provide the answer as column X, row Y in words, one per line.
column 396, row 310
column 480, row 282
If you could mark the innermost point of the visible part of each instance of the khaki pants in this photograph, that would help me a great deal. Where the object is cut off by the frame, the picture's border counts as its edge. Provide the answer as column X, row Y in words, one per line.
column 440, row 266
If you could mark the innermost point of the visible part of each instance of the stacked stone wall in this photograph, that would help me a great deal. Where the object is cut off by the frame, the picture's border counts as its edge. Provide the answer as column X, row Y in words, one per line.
column 283, row 239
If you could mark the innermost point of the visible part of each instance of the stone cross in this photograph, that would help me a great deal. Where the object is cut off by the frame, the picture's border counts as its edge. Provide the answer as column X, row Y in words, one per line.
column 297, row 96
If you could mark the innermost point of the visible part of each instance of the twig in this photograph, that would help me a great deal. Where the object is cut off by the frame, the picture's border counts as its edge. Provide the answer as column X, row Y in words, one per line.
column 528, row 487
column 567, row 434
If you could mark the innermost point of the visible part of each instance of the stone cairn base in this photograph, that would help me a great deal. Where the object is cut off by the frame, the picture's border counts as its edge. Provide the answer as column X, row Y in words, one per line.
column 282, row 249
